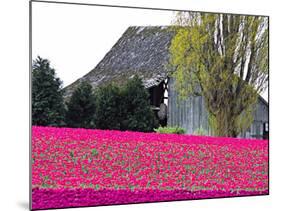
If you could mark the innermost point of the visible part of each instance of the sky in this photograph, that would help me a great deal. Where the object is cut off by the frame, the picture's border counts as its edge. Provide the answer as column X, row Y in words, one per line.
column 74, row 38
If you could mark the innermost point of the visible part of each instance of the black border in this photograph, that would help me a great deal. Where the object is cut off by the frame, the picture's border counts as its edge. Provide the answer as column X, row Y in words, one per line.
column 143, row 8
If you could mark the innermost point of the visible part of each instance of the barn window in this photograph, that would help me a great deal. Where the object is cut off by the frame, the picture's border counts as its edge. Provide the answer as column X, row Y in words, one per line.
column 156, row 95
column 159, row 101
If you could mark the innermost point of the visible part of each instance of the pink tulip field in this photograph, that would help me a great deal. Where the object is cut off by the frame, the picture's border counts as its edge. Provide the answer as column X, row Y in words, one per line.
column 84, row 167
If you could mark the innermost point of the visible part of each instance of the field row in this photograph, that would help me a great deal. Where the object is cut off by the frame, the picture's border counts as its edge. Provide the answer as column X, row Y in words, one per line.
column 65, row 159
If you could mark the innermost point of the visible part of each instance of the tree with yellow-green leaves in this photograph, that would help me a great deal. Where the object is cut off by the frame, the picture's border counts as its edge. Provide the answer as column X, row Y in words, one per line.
column 223, row 58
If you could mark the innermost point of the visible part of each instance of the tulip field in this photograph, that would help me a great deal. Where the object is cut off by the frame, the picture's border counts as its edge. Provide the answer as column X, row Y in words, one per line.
column 84, row 167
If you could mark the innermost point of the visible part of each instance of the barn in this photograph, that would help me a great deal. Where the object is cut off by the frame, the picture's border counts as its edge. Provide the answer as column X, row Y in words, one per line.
column 143, row 51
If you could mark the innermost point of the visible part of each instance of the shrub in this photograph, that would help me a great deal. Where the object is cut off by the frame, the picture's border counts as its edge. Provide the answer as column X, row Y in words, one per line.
column 137, row 114
column 108, row 107
column 124, row 108
column 81, row 107
column 201, row 132
column 175, row 130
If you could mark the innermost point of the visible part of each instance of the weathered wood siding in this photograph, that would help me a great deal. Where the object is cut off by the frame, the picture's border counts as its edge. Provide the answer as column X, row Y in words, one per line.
column 260, row 117
column 192, row 115
column 189, row 114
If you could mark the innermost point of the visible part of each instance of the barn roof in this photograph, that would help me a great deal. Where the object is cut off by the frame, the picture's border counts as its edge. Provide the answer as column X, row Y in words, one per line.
column 263, row 100
column 141, row 50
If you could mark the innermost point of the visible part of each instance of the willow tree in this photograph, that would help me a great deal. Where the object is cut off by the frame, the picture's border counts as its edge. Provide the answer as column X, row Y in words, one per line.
column 223, row 58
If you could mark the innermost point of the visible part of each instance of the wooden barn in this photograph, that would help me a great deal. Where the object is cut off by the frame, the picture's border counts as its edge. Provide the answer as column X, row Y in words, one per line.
column 144, row 51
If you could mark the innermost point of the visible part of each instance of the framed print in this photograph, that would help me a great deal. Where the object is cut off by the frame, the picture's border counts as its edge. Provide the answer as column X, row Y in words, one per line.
column 136, row 105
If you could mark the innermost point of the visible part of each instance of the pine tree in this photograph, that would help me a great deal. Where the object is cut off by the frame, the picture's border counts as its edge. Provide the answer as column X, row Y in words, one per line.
column 47, row 95
column 81, row 107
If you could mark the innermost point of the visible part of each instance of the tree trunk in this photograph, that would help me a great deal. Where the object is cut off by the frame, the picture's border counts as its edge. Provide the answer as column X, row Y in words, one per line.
column 225, row 124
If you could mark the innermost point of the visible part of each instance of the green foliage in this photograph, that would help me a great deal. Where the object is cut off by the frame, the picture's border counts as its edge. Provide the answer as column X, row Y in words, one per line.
column 137, row 114
column 81, row 107
column 200, row 132
column 47, row 95
column 224, row 58
column 71, row 154
column 124, row 108
column 94, row 152
column 174, row 130
column 97, row 187
column 108, row 110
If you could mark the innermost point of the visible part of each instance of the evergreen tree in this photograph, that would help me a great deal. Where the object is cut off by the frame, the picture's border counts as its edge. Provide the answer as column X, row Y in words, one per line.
column 47, row 95
column 108, row 101
column 136, row 109
column 125, row 108
column 81, row 107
